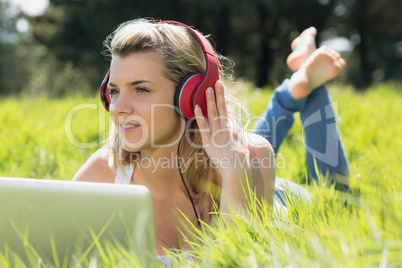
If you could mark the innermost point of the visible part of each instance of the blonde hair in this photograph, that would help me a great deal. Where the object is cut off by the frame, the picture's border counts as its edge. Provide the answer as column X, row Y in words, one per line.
column 182, row 54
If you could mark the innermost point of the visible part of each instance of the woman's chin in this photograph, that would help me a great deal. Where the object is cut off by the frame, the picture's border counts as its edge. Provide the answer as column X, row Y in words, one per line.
column 132, row 149
column 133, row 145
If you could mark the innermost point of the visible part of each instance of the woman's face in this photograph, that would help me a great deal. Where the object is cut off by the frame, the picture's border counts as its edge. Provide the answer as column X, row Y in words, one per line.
column 142, row 102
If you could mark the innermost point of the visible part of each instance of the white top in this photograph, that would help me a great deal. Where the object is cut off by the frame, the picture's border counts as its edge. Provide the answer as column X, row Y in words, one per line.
column 121, row 178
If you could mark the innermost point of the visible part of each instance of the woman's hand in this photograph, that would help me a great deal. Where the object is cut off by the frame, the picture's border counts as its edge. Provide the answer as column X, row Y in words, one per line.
column 233, row 151
column 222, row 139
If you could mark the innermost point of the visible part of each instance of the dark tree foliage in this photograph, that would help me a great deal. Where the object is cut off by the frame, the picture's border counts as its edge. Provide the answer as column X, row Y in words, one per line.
column 376, row 28
column 256, row 34
column 9, row 58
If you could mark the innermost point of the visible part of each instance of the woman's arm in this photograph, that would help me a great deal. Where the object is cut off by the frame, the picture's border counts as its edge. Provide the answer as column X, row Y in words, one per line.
column 96, row 169
column 262, row 161
column 237, row 155
column 258, row 167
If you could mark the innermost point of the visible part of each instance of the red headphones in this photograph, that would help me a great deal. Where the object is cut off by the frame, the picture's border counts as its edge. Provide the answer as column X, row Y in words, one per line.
column 191, row 90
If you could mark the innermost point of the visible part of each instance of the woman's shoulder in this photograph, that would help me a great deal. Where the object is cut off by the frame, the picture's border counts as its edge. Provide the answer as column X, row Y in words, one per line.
column 96, row 169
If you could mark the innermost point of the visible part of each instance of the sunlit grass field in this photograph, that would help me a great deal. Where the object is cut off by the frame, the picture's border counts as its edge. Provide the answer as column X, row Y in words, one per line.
column 51, row 139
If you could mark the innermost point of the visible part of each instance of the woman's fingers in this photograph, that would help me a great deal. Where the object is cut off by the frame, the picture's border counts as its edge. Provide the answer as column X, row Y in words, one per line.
column 216, row 128
column 216, row 106
column 221, row 104
column 213, row 115
column 202, row 125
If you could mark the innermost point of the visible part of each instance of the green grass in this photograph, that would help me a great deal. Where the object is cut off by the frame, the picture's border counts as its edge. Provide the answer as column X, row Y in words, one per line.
column 362, row 229
column 37, row 141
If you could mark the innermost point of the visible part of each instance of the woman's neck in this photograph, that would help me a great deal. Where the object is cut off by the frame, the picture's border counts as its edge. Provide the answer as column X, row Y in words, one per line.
column 158, row 167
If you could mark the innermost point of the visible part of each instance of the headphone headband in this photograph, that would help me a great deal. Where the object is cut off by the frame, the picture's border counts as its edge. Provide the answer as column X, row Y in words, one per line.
column 206, row 46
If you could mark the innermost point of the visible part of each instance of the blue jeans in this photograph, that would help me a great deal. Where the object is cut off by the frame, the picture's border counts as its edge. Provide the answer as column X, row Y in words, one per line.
column 322, row 139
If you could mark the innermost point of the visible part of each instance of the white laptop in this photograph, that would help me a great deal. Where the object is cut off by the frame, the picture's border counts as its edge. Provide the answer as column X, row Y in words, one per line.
column 70, row 217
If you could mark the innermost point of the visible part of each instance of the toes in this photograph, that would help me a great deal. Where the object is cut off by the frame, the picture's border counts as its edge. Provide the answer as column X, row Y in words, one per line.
column 337, row 59
column 329, row 51
column 324, row 48
column 311, row 31
column 307, row 37
column 342, row 63
column 295, row 43
column 335, row 55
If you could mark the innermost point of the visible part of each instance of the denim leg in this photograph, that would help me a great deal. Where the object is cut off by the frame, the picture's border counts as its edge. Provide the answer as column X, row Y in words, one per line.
column 322, row 139
column 277, row 119
column 283, row 186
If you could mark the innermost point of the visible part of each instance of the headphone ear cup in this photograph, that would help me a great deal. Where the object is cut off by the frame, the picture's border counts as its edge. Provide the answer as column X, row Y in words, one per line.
column 183, row 98
column 104, row 92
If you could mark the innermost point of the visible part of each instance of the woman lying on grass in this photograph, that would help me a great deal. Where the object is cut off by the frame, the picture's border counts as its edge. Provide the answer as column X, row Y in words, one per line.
column 148, row 61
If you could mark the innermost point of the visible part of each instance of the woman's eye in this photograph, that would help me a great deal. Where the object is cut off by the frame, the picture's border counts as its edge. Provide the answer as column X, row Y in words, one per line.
column 141, row 89
column 112, row 92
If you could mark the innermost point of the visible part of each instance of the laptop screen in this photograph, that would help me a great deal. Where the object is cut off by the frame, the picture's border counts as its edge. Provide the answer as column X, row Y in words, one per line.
column 70, row 217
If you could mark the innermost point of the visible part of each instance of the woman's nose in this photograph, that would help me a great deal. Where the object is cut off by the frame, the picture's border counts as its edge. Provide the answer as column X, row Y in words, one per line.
column 121, row 105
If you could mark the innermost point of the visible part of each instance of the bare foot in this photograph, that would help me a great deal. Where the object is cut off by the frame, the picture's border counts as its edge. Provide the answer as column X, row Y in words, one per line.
column 303, row 46
column 323, row 65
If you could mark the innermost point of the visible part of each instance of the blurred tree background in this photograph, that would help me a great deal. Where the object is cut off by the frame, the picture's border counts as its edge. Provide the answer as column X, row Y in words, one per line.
column 58, row 52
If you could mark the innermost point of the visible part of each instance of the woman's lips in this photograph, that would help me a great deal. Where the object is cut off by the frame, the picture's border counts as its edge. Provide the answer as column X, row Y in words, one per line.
column 127, row 128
